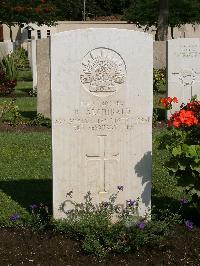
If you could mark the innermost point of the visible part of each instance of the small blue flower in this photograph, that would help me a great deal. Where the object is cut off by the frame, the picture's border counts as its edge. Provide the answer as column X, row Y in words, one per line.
column 189, row 224
column 130, row 202
column 183, row 201
column 33, row 206
column 120, row 188
column 14, row 217
column 141, row 225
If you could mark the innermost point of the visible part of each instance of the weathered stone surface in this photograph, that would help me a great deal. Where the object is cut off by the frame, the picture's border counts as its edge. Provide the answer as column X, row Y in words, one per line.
column 5, row 48
column 101, row 90
column 43, row 78
column 159, row 54
column 183, row 69
column 34, row 64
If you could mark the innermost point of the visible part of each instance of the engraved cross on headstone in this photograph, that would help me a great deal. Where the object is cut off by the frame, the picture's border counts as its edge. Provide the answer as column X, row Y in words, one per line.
column 102, row 158
column 187, row 78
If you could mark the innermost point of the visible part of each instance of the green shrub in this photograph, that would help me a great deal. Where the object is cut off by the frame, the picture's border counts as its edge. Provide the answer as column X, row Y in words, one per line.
column 20, row 58
column 40, row 120
column 106, row 228
column 8, row 65
column 182, row 139
column 40, row 218
column 159, row 80
column 9, row 113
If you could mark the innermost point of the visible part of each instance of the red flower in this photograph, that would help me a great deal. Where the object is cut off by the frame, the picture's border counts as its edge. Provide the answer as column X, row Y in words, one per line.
column 183, row 118
column 167, row 102
column 175, row 100
column 19, row 9
column 38, row 9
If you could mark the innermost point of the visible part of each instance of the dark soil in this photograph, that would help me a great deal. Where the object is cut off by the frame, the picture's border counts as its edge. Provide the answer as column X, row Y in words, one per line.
column 24, row 247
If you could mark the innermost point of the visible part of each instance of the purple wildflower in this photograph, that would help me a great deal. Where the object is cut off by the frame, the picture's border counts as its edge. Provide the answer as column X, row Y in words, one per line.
column 120, row 188
column 14, row 217
column 33, row 206
column 189, row 224
column 141, row 225
column 183, row 201
column 130, row 202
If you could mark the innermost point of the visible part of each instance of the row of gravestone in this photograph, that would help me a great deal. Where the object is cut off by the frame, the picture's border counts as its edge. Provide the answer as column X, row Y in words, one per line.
column 183, row 68
column 101, row 84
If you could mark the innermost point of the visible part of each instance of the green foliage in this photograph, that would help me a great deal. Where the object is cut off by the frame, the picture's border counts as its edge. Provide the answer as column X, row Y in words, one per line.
column 20, row 58
column 9, row 113
column 73, row 9
column 18, row 12
column 6, row 85
column 9, row 67
column 40, row 120
column 108, row 228
column 159, row 80
column 145, row 12
column 40, row 218
column 183, row 145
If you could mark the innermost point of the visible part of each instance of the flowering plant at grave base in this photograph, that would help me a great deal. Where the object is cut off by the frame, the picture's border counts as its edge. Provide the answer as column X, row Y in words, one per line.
column 41, row 218
column 14, row 217
column 182, row 140
column 100, row 234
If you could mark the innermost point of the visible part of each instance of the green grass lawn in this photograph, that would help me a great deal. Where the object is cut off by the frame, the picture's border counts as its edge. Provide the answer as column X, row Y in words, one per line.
column 26, row 177
column 25, row 163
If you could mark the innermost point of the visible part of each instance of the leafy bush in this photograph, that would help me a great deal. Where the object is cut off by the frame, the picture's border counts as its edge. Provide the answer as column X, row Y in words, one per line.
column 41, row 219
column 182, row 139
column 6, row 85
column 8, row 75
column 8, row 65
column 159, row 80
column 9, row 112
column 20, row 58
column 40, row 120
column 106, row 228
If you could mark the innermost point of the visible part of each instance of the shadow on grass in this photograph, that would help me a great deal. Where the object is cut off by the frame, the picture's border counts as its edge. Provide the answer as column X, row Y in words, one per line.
column 163, row 205
column 23, row 92
column 29, row 114
column 27, row 192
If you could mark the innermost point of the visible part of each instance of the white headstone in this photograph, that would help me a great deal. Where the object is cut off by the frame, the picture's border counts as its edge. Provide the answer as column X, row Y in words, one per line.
column 101, row 85
column 183, row 69
column 34, row 64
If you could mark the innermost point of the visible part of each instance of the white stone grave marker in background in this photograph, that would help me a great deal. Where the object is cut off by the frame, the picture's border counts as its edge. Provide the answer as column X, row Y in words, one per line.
column 183, row 69
column 34, row 64
column 101, row 88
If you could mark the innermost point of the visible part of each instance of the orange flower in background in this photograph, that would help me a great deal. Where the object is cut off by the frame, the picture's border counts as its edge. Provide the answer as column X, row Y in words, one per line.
column 38, row 9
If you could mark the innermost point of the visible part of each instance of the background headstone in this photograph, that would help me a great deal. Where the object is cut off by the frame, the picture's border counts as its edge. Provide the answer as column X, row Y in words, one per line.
column 183, row 69
column 6, row 48
column 34, row 64
column 102, row 92
column 159, row 54
column 43, row 78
